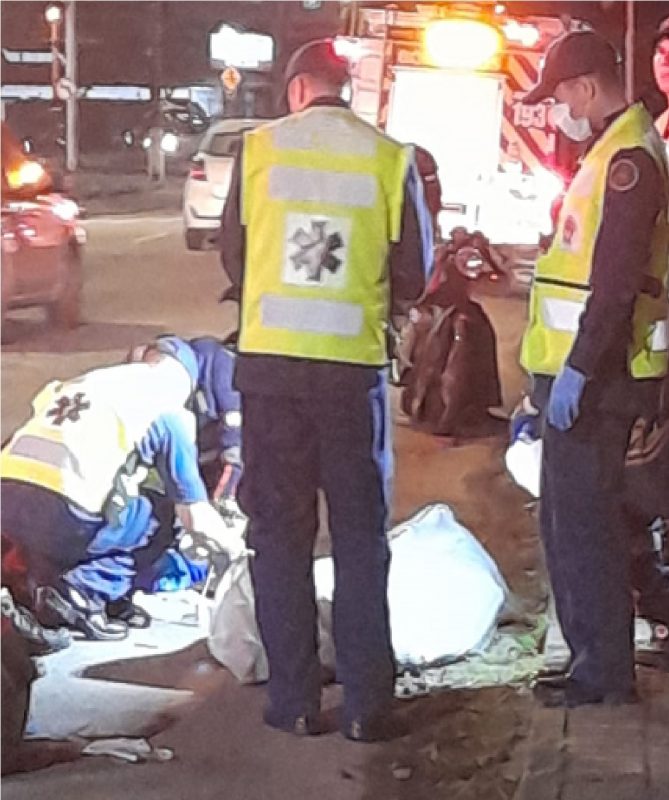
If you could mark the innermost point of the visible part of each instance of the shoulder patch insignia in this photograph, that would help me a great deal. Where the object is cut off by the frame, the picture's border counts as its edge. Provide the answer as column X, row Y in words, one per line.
column 623, row 175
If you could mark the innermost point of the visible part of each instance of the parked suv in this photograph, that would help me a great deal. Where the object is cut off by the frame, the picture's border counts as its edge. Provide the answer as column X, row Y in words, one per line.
column 41, row 239
column 208, row 181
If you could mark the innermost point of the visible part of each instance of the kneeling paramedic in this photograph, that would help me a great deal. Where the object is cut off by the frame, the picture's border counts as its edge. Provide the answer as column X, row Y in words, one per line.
column 597, row 348
column 70, row 486
column 217, row 409
column 326, row 233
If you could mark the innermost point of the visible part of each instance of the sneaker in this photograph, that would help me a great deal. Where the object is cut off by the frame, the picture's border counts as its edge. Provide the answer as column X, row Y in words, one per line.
column 126, row 611
column 76, row 614
column 42, row 639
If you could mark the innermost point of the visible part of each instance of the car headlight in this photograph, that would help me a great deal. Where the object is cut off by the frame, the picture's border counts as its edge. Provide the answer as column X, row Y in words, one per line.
column 169, row 143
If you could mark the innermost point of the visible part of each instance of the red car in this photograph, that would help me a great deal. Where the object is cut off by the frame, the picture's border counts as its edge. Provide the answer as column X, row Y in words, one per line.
column 41, row 239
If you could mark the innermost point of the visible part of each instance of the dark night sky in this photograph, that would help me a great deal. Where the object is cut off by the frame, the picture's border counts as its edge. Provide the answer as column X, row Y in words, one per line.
column 118, row 40
column 129, row 41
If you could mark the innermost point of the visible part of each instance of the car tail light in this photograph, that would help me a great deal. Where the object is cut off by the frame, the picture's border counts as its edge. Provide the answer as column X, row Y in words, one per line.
column 27, row 174
column 198, row 172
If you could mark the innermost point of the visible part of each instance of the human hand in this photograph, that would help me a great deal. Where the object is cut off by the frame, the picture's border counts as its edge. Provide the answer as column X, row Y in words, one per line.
column 565, row 398
column 207, row 531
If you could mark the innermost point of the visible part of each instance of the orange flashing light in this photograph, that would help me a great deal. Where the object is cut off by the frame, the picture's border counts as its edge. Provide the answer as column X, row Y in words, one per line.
column 29, row 173
column 462, row 43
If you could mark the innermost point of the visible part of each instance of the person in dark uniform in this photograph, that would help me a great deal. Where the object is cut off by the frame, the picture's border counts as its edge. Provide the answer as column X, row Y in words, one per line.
column 596, row 345
column 661, row 73
column 326, row 233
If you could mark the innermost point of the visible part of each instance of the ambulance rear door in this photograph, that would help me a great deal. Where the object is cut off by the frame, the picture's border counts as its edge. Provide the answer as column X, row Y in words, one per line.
column 457, row 116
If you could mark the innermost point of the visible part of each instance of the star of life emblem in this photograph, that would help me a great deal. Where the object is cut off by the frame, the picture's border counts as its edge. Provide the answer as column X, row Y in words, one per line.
column 68, row 409
column 316, row 250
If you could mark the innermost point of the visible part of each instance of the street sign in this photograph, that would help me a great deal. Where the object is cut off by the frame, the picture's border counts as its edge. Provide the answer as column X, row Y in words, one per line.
column 229, row 47
column 65, row 89
column 230, row 78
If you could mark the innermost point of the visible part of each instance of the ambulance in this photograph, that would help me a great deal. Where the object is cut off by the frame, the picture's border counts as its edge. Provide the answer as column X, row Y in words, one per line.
column 451, row 78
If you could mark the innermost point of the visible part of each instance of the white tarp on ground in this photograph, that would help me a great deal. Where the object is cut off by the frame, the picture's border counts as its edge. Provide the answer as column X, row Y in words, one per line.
column 523, row 460
column 63, row 703
column 445, row 595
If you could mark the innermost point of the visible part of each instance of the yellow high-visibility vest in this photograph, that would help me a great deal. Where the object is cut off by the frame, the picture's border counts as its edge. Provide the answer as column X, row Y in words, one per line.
column 82, row 431
column 322, row 198
column 562, row 279
column 70, row 445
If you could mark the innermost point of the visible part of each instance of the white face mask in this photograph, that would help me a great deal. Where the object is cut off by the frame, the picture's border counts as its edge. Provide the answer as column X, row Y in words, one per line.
column 576, row 129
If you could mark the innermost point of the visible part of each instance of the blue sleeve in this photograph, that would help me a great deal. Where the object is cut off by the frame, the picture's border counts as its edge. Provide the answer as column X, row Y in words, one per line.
column 415, row 197
column 170, row 446
column 411, row 258
column 225, row 397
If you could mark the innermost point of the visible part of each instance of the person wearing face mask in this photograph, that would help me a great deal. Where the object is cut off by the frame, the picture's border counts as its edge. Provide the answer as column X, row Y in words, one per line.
column 661, row 72
column 596, row 347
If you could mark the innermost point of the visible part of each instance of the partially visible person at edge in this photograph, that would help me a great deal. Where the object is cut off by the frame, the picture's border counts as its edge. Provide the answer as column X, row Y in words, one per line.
column 649, row 501
column 326, row 234
column 661, row 72
column 596, row 347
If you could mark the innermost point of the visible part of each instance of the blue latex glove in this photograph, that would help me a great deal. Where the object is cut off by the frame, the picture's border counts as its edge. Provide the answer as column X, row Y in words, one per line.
column 565, row 398
column 525, row 427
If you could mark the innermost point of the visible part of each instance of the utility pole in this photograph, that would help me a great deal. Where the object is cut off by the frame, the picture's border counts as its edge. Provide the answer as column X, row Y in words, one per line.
column 629, row 50
column 71, row 109
column 156, row 166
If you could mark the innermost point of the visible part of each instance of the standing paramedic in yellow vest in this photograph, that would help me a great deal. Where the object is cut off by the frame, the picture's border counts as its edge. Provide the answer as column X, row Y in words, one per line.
column 596, row 345
column 326, row 234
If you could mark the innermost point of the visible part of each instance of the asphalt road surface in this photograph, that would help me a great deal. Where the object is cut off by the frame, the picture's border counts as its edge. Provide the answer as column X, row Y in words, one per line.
column 140, row 281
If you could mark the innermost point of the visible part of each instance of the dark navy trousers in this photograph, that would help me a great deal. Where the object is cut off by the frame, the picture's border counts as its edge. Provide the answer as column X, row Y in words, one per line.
column 59, row 543
column 338, row 442
column 587, row 545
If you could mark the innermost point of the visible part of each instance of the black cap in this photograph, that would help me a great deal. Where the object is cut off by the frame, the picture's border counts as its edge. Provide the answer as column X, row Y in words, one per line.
column 318, row 58
column 662, row 32
column 578, row 53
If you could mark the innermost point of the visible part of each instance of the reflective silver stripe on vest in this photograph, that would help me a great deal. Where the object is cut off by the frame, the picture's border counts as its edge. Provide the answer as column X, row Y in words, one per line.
column 561, row 315
column 45, row 451
column 312, row 316
column 660, row 340
column 334, row 133
column 318, row 186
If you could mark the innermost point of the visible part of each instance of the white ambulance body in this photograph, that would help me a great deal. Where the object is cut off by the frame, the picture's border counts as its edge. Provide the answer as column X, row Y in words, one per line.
column 495, row 154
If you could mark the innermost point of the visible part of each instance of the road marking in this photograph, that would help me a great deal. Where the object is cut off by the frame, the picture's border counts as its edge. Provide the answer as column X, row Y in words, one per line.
column 152, row 238
column 125, row 220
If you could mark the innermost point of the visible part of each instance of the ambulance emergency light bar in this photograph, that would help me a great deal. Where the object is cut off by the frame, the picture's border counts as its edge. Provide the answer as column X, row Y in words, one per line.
column 461, row 43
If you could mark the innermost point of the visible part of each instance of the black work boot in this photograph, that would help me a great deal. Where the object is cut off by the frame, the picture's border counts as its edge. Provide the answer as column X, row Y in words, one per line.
column 80, row 614
column 301, row 725
column 375, row 728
